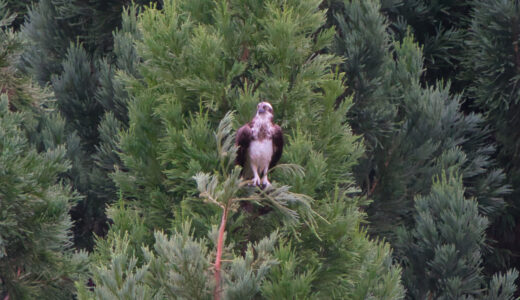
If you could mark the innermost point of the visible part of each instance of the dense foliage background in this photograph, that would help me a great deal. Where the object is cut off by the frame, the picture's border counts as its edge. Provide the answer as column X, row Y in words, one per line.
column 399, row 178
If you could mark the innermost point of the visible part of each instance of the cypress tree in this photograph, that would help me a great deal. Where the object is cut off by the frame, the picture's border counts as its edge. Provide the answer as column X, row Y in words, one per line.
column 411, row 132
column 442, row 253
column 36, row 257
column 70, row 46
column 114, row 98
column 179, row 145
column 491, row 67
column 440, row 28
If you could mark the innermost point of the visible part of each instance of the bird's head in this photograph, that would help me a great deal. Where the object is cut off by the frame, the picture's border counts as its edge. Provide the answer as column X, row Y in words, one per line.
column 264, row 110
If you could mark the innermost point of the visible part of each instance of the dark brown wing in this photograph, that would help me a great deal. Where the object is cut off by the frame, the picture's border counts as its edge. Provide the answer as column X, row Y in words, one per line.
column 242, row 140
column 277, row 146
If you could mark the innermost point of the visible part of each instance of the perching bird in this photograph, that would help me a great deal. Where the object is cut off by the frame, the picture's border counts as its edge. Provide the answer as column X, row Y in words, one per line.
column 260, row 145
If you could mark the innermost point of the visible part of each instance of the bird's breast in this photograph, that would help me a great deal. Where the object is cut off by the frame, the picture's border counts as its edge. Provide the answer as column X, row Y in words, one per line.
column 261, row 129
column 260, row 152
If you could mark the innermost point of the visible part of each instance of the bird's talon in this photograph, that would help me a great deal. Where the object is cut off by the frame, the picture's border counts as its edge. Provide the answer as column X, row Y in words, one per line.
column 256, row 182
column 265, row 183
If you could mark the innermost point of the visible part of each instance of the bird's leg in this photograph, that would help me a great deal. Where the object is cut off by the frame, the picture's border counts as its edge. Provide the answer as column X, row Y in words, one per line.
column 265, row 181
column 256, row 178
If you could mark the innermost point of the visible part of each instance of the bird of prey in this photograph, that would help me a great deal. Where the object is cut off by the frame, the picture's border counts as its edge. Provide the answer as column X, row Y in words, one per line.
column 260, row 145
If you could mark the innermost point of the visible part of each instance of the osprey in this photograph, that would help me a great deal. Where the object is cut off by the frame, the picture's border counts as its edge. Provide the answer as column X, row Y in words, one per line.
column 260, row 145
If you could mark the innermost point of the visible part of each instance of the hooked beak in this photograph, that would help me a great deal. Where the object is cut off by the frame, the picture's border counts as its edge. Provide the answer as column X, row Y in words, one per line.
column 261, row 110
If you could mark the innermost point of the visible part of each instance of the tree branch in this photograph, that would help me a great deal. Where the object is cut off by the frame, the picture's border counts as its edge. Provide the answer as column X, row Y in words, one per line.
column 218, row 260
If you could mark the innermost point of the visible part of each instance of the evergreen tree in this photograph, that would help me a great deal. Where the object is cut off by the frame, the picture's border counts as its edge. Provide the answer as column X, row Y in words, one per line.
column 442, row 253
column 36, row 258
column 53, row 25
column 411, row 132
column 114, row 98
column 440, row 28
column 228, row 56
column 18, row 7
column 70, row 47
column 9, row 46
column 492, row 66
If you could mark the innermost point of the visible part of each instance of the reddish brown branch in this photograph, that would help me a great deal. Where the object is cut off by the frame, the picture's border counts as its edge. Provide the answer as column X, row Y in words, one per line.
column 373, row 188
column 218, row 260
column 245, row 53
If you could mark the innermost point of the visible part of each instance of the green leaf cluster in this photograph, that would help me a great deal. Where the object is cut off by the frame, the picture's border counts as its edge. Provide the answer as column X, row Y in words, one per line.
column 445, row 247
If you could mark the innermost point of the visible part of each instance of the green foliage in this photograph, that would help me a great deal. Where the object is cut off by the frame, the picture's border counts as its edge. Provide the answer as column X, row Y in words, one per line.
column 48, row 36
column 411, row 132
column 182, row 267
column 54, row 55
column 340, row 260
column 182, row 264
column 502, row 286
column 284, row 282
column 123, row 60
column 36, row 260
column 150, row 100
column 125, row 221
column 178, row 267
column 491, row 67
column 6, row 18
column 18, row 7
column 112, row 96
column 444, row 248
column 75, row 98
column 36, row 257
column 440, row 28
column 53, row 25
column 10, row 82
column 368, row 65
column 119, row 277
column 193, row 68
column 69, row 47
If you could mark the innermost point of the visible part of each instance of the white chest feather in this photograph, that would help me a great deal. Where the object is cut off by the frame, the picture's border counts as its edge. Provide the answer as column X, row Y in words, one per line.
column 260, row 153
column 262, row 128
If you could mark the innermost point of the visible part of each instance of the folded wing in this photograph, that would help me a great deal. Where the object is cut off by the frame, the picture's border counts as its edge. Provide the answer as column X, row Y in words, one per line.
column 277, row 146
column 243, row 140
